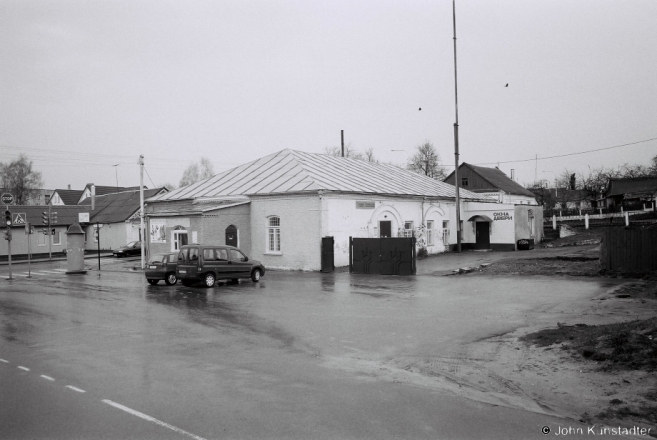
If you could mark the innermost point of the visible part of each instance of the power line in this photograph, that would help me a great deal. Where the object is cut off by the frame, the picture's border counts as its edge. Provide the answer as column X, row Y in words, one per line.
column 569, row 154
column 149, row 177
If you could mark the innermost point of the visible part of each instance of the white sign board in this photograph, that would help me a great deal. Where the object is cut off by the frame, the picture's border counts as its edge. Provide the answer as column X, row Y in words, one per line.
column 158, row 231
column 83, row 217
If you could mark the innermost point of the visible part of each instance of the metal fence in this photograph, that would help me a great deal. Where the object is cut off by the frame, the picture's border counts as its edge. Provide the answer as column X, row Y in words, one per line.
column 629, row 250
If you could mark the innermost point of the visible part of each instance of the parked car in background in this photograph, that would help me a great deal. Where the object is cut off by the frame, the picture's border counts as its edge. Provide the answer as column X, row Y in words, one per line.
column 132, row 248
column 162, row 267
column 209, row 263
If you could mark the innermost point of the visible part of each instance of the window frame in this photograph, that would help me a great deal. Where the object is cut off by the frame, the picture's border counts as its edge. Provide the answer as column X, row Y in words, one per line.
column 408, row 232
column 430, row 233
column 273, row 236
column 57, row 234
column 175, row 239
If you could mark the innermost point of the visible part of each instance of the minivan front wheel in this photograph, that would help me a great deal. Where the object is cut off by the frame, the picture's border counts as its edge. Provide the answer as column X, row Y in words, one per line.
column 209, row 279
column 255, row 275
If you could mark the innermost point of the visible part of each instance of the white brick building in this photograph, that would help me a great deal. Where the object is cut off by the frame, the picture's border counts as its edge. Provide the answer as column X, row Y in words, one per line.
column 277, row 209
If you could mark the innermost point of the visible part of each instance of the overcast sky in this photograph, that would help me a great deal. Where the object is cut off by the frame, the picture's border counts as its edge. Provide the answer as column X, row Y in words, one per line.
column 86, row 85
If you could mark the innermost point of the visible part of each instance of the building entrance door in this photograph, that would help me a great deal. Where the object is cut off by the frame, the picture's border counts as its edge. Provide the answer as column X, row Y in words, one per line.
column 385, row 228
column 482, row 230
column 231, row 236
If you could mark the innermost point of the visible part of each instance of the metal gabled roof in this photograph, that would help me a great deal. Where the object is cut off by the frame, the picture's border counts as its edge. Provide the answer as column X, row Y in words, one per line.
column 290, row 171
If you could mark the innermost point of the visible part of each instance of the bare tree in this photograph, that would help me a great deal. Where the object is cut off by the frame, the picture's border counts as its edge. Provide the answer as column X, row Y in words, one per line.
column 20, row 179
column 197, row 171
column 369, row 155
column 207, row 170
column 190, row 175
column 426, row 161
column 349, row 152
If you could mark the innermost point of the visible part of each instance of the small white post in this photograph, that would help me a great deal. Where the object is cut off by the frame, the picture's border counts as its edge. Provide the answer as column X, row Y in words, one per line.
column 627, row 219
column 600, row 211
column 586, row 221
column 554, row 222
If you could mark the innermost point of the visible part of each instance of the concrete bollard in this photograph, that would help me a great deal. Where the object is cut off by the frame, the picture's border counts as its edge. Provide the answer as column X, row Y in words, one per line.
column 586, row 221
column 554, row 222
column 627, row 219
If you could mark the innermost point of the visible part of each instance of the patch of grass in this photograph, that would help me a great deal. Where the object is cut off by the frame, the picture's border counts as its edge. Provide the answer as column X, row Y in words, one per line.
column 640, row 412
column 624, row 346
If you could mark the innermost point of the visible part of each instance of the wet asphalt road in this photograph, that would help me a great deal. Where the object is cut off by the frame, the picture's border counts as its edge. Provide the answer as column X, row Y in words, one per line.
column 298, row 355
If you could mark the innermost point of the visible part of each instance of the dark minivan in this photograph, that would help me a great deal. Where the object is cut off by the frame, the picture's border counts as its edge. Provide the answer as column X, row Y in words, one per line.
column 209, row 263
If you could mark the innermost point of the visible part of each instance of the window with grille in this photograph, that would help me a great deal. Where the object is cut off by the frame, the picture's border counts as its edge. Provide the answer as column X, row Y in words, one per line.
column 274, row 234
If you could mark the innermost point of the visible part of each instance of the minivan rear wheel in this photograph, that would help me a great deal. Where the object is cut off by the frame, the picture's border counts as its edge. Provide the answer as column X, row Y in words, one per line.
column 171, row 279
column 209, row 279
column 255, row 275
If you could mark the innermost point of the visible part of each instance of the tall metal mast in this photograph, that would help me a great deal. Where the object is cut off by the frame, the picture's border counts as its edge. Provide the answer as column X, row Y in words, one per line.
column 456, row 141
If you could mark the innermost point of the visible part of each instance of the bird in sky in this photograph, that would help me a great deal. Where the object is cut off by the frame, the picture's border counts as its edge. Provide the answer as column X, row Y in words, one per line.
column 420, row 109
column 507, row 85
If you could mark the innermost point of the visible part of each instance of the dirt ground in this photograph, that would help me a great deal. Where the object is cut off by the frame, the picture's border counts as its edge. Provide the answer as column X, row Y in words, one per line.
column 599, row 364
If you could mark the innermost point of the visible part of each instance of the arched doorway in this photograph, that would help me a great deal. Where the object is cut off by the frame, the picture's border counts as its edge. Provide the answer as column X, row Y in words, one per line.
column 231, row 236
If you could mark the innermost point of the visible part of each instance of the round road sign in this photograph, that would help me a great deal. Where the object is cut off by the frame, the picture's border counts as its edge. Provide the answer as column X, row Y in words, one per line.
column 7, row 198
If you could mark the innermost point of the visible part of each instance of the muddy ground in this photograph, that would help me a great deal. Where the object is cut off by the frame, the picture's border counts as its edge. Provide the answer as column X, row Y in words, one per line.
column 598, row 363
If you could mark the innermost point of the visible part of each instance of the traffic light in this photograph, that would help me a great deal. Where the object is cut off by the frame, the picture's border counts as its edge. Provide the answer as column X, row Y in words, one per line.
column 8, row 221
column 46, row 220
column 8, row 234
column 52, row 231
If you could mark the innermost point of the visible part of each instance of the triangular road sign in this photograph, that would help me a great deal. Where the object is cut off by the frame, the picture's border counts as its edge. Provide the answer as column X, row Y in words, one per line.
column 19, row 219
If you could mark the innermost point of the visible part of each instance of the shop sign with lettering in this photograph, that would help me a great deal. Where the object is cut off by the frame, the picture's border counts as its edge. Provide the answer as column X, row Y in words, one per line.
column 502, row 216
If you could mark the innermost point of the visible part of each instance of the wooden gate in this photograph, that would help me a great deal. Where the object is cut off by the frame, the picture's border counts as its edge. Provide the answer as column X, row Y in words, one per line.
column 629, row 250
column 382, row 256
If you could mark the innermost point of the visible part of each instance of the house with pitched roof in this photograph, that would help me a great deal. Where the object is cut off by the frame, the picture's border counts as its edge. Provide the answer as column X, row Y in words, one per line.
column 74, row 197
column 632, row 193
column 116, row 218
column 278, row 208
column 492, row 182
column 65, row 197
column 115, row 215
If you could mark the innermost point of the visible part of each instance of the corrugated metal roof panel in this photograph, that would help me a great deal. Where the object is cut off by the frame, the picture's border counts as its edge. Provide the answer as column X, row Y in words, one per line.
column 294, row 171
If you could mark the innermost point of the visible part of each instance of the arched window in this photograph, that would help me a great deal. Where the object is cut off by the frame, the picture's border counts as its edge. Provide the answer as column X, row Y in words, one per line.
column 274, row 234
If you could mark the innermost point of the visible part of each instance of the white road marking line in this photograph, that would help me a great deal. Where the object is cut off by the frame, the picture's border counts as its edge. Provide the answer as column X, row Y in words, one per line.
column 151, row 419
column 39, row 273
column 75, row 389
column 5, row 361
column 24, row 368
column 21, row 275
column 51, row 271
column 48, row 378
